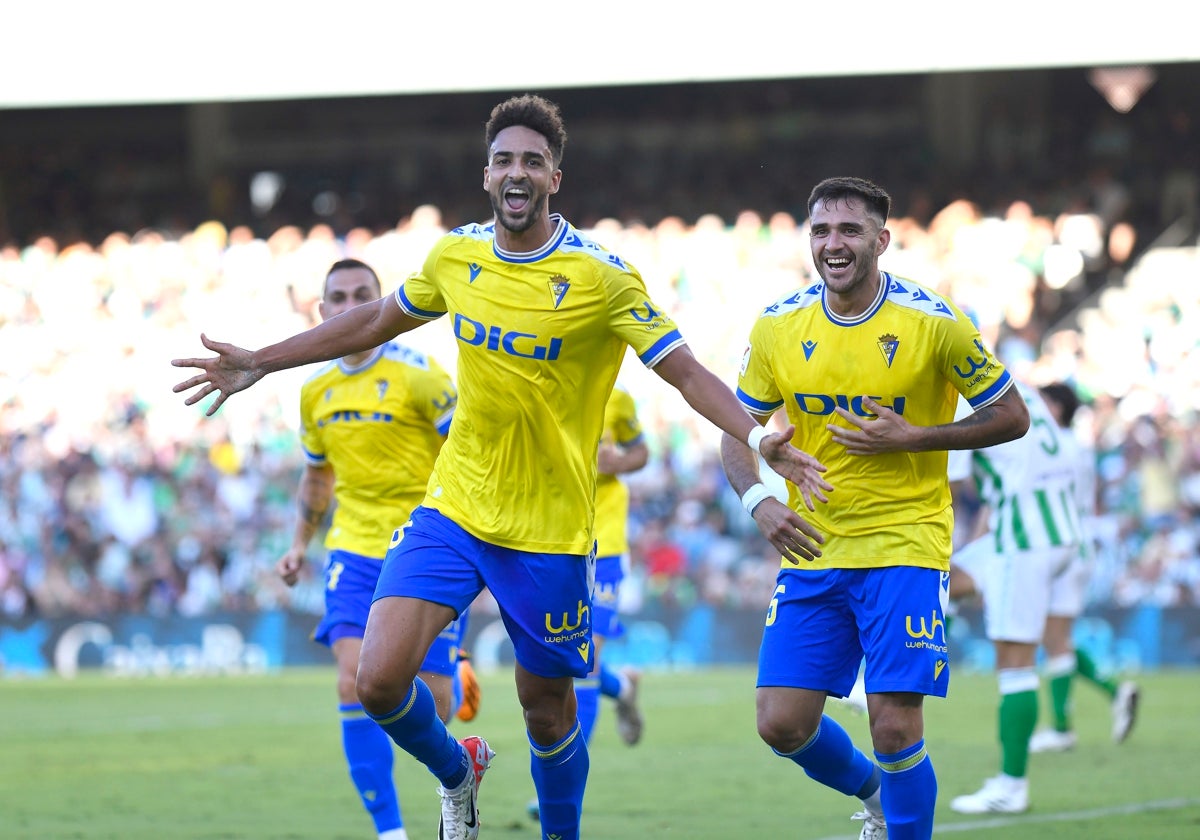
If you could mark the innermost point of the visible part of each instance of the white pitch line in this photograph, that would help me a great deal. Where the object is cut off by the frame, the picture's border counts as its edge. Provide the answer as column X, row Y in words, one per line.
column 1060, row 816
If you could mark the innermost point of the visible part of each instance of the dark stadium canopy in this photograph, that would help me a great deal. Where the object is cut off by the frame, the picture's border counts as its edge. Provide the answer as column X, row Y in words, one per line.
column 137, row 52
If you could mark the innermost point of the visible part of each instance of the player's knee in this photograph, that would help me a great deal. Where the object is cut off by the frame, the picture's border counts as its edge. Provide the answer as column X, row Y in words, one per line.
column 548, row 720
column 784, row 735
column 892, row 733
column 376, row 692
column 347, row 688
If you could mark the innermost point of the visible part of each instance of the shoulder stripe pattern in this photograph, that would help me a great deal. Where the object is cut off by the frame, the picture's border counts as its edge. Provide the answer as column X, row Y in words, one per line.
column 406, row 355
column 805, row 297
column 915, row 296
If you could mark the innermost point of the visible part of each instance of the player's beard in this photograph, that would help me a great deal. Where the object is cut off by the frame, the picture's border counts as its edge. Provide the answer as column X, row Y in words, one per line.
column 517, row 223
column 846, row 286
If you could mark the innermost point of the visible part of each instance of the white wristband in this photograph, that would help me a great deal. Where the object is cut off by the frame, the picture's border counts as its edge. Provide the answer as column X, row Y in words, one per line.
column 755, row 495
column 755, row 438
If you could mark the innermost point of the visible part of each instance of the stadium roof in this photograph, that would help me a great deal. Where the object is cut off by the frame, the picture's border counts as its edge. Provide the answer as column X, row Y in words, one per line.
column 61, row 53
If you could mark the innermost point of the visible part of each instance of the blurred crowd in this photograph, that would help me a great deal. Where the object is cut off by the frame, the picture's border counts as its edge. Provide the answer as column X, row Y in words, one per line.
column 115, row 496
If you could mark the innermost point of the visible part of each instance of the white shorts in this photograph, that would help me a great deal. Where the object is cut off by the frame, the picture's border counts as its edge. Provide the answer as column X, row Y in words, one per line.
column 1017, row 587
column 1068, row 594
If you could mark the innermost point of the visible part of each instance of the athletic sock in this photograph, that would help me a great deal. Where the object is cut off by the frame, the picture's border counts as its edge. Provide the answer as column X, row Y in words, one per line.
column 1088, row 670
column 416, row 728
column 587, row 702
column 1060, row 671
column 560, row 774
column 1017, row 718
column 909, row 792
column 456, row 695
column 369, row 757
column 830, row 757
column 612, row 683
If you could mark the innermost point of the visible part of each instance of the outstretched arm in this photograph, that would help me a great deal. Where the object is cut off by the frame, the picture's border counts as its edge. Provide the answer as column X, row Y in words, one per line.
column 1003, row 420
column 712, row 399
column 234, row 369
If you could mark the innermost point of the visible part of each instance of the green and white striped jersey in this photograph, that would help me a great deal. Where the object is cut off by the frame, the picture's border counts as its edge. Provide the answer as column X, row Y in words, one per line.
column 1030, row 484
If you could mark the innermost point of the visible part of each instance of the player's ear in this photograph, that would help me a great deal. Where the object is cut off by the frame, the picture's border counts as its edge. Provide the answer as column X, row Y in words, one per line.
column 486, row 179
column 885, row 236
column 555, row 181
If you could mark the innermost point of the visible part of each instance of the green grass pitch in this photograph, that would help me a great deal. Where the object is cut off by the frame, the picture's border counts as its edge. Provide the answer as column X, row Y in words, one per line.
column 260, row 757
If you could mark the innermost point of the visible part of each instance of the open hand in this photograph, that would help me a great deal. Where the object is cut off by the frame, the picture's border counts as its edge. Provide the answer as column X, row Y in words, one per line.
column 798, row 467
column 230, row 371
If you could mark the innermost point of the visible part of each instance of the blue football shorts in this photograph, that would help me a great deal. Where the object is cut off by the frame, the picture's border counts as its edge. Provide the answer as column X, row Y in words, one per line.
column 544, row 599
column 822, row 623
column 610, row 571
column 350, row 581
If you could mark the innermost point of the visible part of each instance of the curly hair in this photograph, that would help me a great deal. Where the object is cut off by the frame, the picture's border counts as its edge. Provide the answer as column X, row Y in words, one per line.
column 532, row 112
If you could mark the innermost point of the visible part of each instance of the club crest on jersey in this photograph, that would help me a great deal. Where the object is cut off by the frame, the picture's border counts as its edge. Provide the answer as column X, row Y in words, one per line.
column 558, row 288
column 381, row 388
column 887, row 346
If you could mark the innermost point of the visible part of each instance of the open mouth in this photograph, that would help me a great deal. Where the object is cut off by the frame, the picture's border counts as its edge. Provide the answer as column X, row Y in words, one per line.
column 516, row 198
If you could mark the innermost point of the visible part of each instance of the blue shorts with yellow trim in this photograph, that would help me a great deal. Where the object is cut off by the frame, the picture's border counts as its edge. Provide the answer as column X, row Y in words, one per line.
column 350, row 581
column 544, row 599
column 606, row 622
column 822, row 623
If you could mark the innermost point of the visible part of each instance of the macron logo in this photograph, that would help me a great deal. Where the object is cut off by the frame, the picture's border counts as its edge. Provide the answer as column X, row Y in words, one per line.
column 474, row 268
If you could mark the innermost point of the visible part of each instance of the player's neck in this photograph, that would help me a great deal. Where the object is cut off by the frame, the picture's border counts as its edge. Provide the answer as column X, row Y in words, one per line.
column 530, row 239
column 355, row 359
column 856, row 302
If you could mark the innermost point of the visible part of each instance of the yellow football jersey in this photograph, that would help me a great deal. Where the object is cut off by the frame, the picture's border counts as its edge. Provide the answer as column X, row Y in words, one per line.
column 541, row 337
column 621, row 427
column 912, row 351
column 379, row 426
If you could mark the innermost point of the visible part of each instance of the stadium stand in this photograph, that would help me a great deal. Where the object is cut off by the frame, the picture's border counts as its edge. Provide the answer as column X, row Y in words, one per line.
column 1076, row 247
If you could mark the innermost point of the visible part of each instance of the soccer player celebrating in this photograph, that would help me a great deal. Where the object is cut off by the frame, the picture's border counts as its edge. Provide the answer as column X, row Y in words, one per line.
column 868, row 368
column 543, row 317
column 371, row 424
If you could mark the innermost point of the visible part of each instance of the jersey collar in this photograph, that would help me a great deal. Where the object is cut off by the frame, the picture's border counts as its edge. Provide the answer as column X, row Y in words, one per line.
column 556, row 238
column 885, row 283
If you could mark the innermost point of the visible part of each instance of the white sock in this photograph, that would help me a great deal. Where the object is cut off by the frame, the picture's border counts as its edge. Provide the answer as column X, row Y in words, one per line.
column 873, row 804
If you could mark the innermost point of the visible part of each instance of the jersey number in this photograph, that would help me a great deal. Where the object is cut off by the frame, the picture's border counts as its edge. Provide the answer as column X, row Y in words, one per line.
column 773, row 607
column 335, row 573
